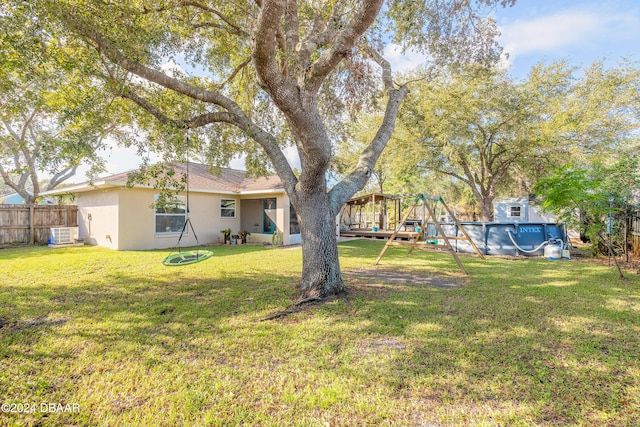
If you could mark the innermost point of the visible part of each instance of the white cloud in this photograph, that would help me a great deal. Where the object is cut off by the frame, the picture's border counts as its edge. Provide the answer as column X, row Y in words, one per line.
column 172, row 69
column 401, row 62
column 567, row 31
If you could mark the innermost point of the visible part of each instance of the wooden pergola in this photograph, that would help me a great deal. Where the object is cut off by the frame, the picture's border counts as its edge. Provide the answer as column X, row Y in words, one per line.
column 354, row 208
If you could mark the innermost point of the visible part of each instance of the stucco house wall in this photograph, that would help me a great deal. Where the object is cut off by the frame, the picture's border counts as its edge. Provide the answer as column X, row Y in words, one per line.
column 251, row 219
column 112, row 215
column 137, row 221
column 98, row 217
column 123, row 219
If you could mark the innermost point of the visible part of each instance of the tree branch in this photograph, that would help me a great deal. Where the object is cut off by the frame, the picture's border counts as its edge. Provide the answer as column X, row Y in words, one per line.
column 266, row 140
column 146, row 105
column 235, row 72
column 7, row 179
column 12, row 132
column 455, row 175
column 235, row 29
column 344, row 42
column 61, row 177
column 353, row 182
column 114, row 55
column 264, row 51
column 384, row 64
column 472, row 180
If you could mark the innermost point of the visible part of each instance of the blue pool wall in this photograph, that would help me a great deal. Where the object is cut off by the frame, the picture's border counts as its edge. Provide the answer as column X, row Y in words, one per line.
column 492, row 238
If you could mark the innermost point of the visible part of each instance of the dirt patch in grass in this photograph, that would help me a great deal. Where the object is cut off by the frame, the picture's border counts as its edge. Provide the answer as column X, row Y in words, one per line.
column 379, row 275
column 372, row 282
column 377, row 345
column 14, row 325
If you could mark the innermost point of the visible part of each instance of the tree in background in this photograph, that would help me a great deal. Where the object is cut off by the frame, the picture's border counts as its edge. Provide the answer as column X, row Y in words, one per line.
column 394, row 174
column 52, row 117
column 276, row 73
column 487, row 131
column 397, row 172
column 596, row 128
column 36, row 139
column 580, row 196
column 474, row 127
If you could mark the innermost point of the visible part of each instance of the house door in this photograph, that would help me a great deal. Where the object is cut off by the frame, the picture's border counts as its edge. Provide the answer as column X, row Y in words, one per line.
column 269, row 216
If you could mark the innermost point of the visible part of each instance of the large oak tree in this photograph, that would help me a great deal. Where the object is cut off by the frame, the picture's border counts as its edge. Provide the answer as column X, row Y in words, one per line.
column 260, row 74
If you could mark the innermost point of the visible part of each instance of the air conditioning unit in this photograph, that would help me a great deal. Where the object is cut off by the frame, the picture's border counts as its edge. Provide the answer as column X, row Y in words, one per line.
column 64, row 235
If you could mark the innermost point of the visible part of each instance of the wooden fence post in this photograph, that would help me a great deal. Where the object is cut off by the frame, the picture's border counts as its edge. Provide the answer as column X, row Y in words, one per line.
column 32, row 227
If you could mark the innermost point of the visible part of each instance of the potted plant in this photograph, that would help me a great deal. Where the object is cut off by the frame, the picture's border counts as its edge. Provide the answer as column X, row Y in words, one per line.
column 243, row 236
column 227, row 236
column 235, row 239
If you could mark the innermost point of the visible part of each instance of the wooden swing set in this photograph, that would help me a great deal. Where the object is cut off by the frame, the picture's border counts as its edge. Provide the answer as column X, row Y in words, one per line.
column 422, row 240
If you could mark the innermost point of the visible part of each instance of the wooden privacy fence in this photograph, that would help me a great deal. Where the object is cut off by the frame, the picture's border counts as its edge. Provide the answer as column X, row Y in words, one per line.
column 634, row 232
column 21, row 224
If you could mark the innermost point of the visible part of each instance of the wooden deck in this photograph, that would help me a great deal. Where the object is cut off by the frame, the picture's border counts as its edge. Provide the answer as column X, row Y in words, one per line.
column 380, row 234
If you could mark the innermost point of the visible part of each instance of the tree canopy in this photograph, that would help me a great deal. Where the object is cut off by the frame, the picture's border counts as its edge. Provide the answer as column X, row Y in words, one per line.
column 53, row 117
column 584, row 195
column 492, row 133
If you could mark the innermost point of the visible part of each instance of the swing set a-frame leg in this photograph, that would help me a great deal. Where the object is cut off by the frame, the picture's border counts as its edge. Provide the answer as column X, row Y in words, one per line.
column 395, row 233
column 432, row 213
column 461, row 228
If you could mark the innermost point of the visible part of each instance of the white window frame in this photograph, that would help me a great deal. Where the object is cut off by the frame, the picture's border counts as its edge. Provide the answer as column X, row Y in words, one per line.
column 223, row 208
column 511, row 208
column 183, row 215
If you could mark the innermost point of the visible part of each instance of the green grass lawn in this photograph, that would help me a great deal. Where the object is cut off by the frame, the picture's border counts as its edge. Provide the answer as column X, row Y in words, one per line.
column 132, row 342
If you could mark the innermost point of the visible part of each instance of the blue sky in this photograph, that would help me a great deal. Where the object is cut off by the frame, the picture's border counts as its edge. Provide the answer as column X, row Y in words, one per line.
column 532, row 31
column 580, row 32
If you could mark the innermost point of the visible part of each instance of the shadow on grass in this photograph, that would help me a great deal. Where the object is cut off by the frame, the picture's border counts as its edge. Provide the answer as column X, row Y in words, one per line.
column 21, row 252
column 26, row 252
column 550, row 343
column 218, row 250
column 520, row 343
column 118, row 299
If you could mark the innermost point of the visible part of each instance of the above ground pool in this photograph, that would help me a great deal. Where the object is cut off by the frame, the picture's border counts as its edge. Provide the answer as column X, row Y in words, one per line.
column 529, row 239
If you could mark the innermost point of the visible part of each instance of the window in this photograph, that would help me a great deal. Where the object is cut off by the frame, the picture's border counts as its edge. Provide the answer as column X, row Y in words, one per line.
column 170, row 213
column 514, row 211
column 227, row 208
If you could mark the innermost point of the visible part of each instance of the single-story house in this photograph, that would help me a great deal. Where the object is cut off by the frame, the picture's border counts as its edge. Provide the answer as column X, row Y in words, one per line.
column 113, row 215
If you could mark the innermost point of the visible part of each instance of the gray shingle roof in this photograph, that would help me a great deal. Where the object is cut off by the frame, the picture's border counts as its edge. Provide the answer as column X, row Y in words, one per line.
column 202, row 178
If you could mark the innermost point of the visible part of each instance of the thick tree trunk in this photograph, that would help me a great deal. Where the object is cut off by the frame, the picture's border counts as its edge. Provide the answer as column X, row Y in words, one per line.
column 320, row 264
column 485, row 211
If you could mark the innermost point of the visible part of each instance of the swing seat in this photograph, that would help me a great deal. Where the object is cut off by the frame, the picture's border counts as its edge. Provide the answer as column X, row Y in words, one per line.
column 188, row 257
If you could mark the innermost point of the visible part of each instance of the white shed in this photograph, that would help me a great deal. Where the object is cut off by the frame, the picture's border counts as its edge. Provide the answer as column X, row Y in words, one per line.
column 519, row 209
